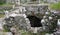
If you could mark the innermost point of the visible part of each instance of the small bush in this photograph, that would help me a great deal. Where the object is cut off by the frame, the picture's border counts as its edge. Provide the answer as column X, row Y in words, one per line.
column 6, row 28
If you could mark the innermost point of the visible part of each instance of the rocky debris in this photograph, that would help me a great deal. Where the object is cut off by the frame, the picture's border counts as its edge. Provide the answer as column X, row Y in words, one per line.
column 1, row 23
column 5, row 33
column 48, row 34
column 51, row 1
column 6, row 7
column 57, row 33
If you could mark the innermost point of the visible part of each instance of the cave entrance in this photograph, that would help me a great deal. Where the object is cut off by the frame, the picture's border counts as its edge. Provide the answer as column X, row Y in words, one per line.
column 34, row 21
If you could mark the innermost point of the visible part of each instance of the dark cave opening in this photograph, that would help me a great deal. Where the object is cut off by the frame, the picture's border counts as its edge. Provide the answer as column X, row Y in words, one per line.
column 34, row 21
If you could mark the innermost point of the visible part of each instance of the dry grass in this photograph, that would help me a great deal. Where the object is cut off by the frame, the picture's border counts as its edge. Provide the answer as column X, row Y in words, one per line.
column 1, row 15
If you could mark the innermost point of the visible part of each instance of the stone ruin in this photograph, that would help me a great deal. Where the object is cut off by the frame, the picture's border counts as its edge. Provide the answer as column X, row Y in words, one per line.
column 18, row 17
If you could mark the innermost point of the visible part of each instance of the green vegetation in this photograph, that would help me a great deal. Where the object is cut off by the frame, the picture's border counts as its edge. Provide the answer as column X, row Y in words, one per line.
column 6, row 5
column 6, row 28
column 55, row 6
column 33, row 0
column 2, row 2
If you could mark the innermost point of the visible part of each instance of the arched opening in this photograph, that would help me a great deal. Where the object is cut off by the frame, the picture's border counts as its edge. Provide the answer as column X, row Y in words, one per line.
column 34, row 21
